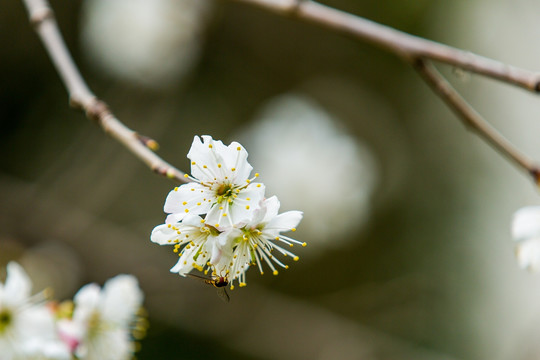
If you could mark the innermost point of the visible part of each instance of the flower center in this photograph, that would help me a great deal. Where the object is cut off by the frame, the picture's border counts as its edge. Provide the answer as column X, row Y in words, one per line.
column 5, row 319
column 223, row 192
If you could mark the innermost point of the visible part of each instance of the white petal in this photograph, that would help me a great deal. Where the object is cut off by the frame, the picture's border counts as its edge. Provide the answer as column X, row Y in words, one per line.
column 188, row 198
column 163, row 235
column 205, row 157
column 121, row 299
column 242, row 209
column 526, row 223
column 528, row 254
column 272, row 208
column 284, row 222
column 17, row 287
column 174, row 218
column 236, row 158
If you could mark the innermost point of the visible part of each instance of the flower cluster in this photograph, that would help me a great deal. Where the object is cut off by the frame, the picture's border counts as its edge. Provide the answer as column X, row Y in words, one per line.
column 97, row 325
column 240, row 227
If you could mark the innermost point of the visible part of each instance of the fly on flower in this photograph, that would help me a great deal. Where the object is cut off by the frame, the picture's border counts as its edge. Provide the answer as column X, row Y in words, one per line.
column 218, row 282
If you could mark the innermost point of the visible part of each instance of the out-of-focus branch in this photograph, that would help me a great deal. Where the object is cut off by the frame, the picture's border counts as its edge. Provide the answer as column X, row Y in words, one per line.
column 470, row 116
column 415, row 51
column 42, row 18
column 402, row 44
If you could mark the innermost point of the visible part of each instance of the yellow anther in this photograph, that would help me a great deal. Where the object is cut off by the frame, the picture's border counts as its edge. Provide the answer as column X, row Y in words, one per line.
column 276, row 238
column 216, row 225
column 256, row 174
column 178, row 232
column 233, row 169
column 275, row 272
column 286, row 266
column 239, row 148
column 296, row 258
column 248, row 199
column 186, row 176
column 210, row 146
column 225, row 214
column 219, row 166
column 187, row 210
column 199, row 204
column 169, row 226
column 229, row 200
column 262, row 273
column 176, row 188
column 304, row 244
column 232, row 287
column 202, row 221
column 293, row 229
column 221, row 208
column 184, row 203
column 193, row 163
column 258, row 185
column 285, row 255
column 175, row 250
column 204, row 166
column 247, row 207
column 255, row 246
column 248, row 181
column 192, row 189
column 235, row 256
column 291, row 245
column 242, row 284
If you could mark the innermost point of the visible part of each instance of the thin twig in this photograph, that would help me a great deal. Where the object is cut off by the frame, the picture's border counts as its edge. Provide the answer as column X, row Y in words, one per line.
column 404, row 45
column 415, row 50
column 472, row 119
column 42, row 18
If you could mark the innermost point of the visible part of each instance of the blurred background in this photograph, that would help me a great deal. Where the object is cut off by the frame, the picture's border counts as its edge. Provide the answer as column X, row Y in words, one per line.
column 407, row 215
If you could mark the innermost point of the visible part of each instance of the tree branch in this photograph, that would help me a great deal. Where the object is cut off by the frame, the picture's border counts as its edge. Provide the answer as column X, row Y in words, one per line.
column 470, row 117
column 42, row 18
column 397, row 42
column 415, row 50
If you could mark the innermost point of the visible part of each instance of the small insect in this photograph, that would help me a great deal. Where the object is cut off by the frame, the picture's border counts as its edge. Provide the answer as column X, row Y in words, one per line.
column 219, row 283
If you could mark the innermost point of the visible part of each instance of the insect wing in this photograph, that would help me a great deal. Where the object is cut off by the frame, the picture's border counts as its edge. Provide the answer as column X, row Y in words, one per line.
column 222, row 293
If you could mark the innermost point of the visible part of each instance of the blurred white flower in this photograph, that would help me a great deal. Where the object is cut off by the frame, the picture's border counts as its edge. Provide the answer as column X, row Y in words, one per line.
column 26, row 325
column 313, row 165
column 100, row 328
column 221, row 186
column 259, row 237
column 147, row 42
column 526, row 231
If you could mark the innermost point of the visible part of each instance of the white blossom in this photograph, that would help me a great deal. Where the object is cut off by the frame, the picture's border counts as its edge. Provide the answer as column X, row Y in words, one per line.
column 27, row 328
column 199, row 245
column 526, row 231
column 221, row 186
column 100, row 328
column 260, row 236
